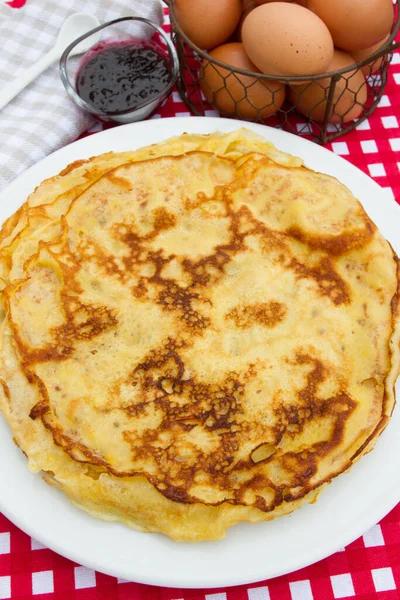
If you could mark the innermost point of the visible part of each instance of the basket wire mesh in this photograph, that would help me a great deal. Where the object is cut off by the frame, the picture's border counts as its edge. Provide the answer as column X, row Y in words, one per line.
column 343, row 99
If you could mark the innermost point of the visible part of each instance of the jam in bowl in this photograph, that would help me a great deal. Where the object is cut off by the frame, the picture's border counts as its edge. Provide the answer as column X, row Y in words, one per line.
column 130, row 68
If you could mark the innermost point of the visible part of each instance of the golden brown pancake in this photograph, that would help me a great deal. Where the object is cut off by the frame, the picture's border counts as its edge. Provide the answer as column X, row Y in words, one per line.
column 196, row 334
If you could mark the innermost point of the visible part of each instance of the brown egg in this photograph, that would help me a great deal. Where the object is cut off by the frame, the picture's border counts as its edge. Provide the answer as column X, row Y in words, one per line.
column 349, row 97
column 208, row 23
column 234, row 94
column 355, row 24
column 248, row 6
column 360, row 55
column 301, row 2
column 287, row 39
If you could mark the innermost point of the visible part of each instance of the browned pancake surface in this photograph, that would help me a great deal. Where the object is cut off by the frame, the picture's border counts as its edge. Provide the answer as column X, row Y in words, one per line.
column 213, row 331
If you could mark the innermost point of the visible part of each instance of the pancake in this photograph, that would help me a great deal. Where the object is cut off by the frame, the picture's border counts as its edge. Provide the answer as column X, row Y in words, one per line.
column 196, row 334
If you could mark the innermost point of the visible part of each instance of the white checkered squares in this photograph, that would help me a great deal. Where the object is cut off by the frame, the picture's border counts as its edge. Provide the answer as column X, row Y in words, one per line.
column 396, row 77
column 389, row 122
column 35, row 545
column 374, row 537
column 384, row 101
column 220, row 596
column 396, row 59
column 383, row 579
column 259, row 593
column 43, row 582
column 304, row 127
column 395, row 144
column 363, row 126
column 369, row 146
column 374, row 79
column 342, row 585
column 301, row 590
column 4, row 543
column 5, row 587
column 340, row 148
column 84, row 578
column 377, row 170
column 333, row 127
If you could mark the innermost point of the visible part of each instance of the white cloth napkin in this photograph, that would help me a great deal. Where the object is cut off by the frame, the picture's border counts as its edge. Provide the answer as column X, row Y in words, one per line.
column 42, row 118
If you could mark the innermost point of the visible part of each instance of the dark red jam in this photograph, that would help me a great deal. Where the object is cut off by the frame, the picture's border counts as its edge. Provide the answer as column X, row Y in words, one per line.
column 120, row 77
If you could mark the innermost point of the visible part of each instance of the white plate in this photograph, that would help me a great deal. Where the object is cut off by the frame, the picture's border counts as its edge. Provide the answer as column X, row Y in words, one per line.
column 352, row 504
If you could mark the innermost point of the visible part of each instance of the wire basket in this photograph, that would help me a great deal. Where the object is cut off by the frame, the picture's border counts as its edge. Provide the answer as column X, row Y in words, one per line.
column 339, row 102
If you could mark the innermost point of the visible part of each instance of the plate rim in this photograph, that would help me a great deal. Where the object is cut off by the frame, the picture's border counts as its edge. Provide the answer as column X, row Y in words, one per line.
column 194, row 125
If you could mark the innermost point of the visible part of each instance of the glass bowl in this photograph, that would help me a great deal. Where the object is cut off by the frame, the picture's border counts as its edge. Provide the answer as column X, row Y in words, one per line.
column 129, row 31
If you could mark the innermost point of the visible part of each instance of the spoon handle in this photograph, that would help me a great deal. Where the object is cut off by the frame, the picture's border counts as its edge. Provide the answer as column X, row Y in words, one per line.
column 14, row 87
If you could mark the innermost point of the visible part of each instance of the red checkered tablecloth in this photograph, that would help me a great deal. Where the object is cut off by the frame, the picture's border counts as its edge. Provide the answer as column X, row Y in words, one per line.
column 367, row 569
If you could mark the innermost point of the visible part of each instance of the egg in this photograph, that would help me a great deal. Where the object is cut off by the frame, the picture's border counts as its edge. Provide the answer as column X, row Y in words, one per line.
column 248, row 6
column 301, row 2
column 234, row 94
column 355, row 24
column 359, row 55
column 348, row 100
column 208, row 23
column 287, row 39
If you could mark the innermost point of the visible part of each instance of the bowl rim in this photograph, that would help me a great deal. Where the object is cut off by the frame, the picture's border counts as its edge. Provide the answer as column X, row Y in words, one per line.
column 174, row 70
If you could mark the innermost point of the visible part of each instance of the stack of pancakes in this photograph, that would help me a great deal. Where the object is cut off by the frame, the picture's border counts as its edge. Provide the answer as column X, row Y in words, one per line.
column 195, row 334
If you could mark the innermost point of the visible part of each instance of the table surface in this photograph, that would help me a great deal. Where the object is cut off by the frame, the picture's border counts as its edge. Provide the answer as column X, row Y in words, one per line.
column 367, row 569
